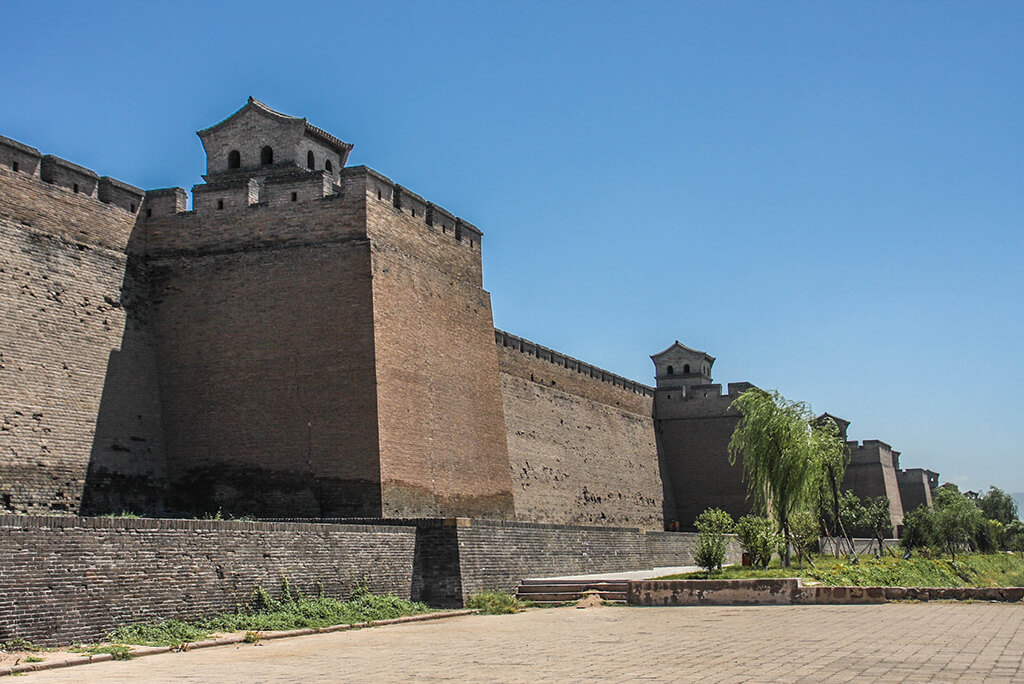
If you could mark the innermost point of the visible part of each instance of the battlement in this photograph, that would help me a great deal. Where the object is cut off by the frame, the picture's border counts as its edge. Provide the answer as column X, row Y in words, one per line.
column 543, row 353
column 710, row 391
column 165, row 201
column 21, row 158
column 380, row 188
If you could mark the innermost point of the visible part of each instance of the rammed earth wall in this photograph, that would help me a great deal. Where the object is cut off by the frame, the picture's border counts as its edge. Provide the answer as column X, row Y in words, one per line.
column 66, row 579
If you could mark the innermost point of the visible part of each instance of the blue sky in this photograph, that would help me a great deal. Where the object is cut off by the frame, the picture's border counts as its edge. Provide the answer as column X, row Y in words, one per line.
column 825, row 196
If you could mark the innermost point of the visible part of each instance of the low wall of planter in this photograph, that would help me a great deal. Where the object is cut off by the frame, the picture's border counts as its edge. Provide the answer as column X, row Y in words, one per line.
column 762, row 592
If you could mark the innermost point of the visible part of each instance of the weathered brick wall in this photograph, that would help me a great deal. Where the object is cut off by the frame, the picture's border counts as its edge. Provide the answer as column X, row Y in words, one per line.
column 74, row 579
column 442, row 438
column 668, row 549
column 694, row 438
column 581, row 451
column 872, row 472
column 264, row 322
column 79, row 409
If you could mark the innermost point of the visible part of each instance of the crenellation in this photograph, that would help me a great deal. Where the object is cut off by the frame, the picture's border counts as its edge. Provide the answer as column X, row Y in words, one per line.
column 506, row 339
column 165, row 201
column 68, row 175
column 19, row 157
column 120, row 194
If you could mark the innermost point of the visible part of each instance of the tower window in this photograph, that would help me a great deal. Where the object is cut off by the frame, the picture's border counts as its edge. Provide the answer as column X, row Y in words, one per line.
column 220, row 204
column 295, row 197
column 266, row 156
column 329, row 166
column 149, row 212
column 310, row 160
column 234, row 159
column 76, row 187
column 671, row 370
column 14, row 165
column 132, row 210
column 686, row 369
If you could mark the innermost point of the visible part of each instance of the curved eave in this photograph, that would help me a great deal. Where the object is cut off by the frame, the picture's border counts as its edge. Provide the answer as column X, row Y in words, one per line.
column 679, row 345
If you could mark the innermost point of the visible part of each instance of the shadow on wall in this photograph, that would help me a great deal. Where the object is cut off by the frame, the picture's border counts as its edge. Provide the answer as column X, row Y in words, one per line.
column 127, row 468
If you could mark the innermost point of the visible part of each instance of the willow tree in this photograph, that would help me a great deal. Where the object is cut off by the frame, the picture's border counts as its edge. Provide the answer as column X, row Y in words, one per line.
column 785, row 455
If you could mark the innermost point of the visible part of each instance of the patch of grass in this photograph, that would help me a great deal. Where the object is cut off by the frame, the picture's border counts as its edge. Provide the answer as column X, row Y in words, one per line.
column 19, row 644
column 119, row 652
column 264, row 613
column 33, row 659
column 495, row 603
column 969, row 570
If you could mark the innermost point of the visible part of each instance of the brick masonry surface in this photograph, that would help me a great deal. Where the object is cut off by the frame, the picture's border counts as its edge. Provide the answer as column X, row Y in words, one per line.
column 67, row 579
column 581, row 451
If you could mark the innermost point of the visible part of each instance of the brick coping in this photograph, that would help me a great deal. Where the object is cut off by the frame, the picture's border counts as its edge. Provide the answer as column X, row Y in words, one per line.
column 141, row 651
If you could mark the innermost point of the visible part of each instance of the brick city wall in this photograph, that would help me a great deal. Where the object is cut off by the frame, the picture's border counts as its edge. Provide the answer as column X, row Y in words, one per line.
column 265, row 339
column 79, row 418
column 581, row 450
column 442, row 439
column 68, row 579
column 694, row 435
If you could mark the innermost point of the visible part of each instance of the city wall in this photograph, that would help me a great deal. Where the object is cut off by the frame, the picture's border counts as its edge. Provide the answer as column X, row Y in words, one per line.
column 80, row 420
column 580, row 440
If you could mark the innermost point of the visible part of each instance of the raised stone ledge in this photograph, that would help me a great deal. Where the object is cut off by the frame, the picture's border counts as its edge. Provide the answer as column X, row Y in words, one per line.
column 792, row 591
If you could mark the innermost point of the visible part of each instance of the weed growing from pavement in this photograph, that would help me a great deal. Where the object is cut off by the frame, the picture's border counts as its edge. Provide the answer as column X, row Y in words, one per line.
column 495, row 603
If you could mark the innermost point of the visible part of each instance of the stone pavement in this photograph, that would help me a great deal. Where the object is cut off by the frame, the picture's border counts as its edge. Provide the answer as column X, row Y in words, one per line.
column 890, row 642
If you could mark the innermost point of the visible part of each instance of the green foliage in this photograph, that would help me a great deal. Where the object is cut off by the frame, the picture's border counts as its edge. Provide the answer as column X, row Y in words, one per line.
column 18, row 644
column 785, row 454
column 758, row 538
column 919, row 529
column 494, row 603
column 804, row 531
column 876, row 520
column 957, row 519
column 265, row 613
column 712, row 525
column 971, row 570
column 998, row 505
column 1013, row 536
column 33, row 659
column 118, row 651
column 122, row 514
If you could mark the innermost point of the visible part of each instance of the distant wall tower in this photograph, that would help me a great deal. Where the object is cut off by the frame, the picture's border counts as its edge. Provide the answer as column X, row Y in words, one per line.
column 694, row 423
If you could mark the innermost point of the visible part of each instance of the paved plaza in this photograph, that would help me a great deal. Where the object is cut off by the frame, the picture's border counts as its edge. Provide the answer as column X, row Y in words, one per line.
column 889, row 642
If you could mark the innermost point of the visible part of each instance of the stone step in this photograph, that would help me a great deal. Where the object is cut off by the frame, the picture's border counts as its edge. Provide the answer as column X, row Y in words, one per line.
column 561, row 588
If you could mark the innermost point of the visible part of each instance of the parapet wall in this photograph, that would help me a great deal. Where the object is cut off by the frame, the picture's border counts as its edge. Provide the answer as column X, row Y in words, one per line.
column 68, row 579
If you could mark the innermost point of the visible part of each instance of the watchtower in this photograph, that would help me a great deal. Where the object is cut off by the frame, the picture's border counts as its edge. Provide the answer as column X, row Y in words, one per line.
column 680, row 366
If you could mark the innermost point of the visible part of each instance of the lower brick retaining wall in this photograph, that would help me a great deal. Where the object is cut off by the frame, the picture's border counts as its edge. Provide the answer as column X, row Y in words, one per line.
column 458, row 557
column 65, row 579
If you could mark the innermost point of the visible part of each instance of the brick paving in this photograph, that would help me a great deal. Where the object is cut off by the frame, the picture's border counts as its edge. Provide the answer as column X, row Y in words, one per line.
column 890, row 642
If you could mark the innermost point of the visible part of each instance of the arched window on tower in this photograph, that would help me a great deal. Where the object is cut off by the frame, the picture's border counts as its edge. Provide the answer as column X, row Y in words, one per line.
column 671, row 370
column 686, row 369
column 234, row 159
column 310, row 160
column 329, row 166
column 266, row 156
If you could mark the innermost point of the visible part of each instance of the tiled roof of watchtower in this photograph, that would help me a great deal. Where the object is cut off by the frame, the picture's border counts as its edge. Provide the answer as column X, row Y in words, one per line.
column 679, row 345
column 255, row 105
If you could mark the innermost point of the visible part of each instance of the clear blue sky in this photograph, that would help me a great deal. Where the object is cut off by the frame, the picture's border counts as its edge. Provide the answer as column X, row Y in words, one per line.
column 825, row 196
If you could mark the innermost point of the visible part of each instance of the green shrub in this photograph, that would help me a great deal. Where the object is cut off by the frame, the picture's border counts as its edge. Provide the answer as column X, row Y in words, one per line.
column 494, row 603
column 758, row 538
column 712, row 525
column 804, row 530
